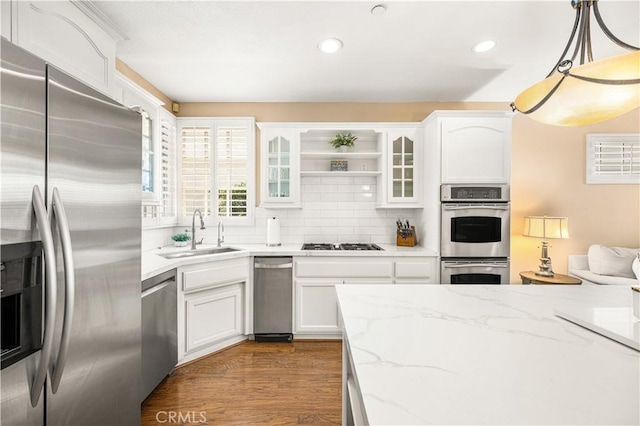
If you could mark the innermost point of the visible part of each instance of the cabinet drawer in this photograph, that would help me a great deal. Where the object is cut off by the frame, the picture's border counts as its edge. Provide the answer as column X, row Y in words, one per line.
column 369, row 268
column 419, row 269
column 215, row 274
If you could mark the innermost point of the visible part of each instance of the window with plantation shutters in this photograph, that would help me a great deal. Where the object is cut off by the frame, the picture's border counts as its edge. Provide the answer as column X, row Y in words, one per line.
column 216, row 168
column 613, row 158
column 195, row 171
column 167, row 168
column 232, row 171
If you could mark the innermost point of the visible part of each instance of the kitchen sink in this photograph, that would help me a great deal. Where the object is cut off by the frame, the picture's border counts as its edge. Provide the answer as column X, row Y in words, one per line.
column 196, row 252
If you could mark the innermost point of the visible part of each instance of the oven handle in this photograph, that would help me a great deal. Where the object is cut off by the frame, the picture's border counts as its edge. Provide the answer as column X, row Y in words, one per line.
column 50, row 292
column 473, row 265
column 474, row 207
column 69, row 294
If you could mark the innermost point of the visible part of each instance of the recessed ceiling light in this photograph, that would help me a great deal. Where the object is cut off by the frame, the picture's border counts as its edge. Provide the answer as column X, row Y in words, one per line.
column 330, row 45
column 378, row 9
column 484, row 46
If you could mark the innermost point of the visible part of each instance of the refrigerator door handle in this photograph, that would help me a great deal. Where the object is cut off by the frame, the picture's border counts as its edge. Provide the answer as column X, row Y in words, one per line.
column 57, row 367
column 50, row 291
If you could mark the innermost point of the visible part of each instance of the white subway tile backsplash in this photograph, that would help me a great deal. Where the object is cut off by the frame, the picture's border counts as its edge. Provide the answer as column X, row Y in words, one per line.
column 334, row 209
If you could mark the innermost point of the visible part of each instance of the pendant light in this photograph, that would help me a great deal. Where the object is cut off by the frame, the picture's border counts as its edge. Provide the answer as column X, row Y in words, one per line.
column 594, row 91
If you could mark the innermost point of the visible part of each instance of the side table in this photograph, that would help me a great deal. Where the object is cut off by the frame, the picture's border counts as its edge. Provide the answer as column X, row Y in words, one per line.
column 530, row 277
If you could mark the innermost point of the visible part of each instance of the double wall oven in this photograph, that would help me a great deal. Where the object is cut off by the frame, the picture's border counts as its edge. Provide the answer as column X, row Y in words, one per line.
column 474, row 245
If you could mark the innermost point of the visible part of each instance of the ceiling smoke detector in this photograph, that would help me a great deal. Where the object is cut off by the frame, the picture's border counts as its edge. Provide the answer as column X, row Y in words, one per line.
column 330, row 45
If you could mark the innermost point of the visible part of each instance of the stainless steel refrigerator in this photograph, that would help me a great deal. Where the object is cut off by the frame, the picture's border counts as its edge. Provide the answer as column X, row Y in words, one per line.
column 70, row 170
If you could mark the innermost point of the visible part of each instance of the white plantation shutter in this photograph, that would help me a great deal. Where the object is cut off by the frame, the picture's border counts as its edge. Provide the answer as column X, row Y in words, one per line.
column 232, row 171
column 613, row 158
column 195, row 142
column 167, row 168
column 217, row 168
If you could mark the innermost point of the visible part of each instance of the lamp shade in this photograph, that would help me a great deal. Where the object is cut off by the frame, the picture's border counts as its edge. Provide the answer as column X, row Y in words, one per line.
column 546, row 227
column 578, row 102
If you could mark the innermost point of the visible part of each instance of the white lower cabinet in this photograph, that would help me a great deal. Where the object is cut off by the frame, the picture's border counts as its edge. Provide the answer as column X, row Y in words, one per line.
column 316, row 307
column 214, row 307
column 213, row 316
column 419, row 270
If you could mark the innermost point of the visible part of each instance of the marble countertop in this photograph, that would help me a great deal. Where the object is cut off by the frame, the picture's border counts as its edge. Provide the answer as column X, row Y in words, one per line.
column 154, row 264
column 437, row 354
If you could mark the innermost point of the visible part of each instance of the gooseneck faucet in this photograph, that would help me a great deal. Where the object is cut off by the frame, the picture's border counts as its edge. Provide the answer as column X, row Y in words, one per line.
column 220, row 235
column 193, row 228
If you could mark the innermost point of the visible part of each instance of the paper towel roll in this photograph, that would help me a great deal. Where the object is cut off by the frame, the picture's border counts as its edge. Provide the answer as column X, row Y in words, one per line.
column 273, row 231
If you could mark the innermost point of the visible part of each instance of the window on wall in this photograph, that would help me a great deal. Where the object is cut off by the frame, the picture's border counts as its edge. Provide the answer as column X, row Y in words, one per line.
column 216, row 172
column 148, row 153
column 159, row 167
column 613, row 159
column 232, row 171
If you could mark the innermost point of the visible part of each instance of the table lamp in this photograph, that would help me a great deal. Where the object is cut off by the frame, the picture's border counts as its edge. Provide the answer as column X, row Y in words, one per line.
column 546, row 227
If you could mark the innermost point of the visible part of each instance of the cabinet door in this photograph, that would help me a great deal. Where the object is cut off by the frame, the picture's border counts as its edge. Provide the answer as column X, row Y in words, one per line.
column 403, row 173
column 316, row 307
column 280, row 170
column 61, row 34
column 476, row 149
column 213, row 316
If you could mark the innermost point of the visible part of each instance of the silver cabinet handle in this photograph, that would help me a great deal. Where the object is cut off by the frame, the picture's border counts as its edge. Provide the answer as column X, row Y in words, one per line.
column 70, row 288
column 474, row 207
column 277, row 266
column 474, row 265
column 50, row 292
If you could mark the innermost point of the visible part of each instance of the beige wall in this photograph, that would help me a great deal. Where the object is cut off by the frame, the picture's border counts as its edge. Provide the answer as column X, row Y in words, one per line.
column 329, row 111
column 548, row 177
column 140, row 81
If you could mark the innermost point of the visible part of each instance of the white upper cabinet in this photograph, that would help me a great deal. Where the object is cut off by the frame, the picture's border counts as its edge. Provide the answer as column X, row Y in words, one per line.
column 279, row 167
column 401, row 182
column 475, row 146
column 72, row 36
column 5, row 19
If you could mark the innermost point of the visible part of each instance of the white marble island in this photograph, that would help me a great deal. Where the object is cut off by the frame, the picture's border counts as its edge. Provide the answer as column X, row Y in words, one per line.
column 438, row 354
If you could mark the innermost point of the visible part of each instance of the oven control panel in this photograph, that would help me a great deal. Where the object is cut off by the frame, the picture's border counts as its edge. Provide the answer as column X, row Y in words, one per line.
column 474, row 193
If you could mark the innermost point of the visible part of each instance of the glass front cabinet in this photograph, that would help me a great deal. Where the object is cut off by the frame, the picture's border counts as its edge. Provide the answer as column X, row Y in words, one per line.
column 402, row 181
column 279, row 169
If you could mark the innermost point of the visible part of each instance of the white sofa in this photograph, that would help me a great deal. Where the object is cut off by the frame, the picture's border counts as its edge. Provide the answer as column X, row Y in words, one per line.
column 606, row 266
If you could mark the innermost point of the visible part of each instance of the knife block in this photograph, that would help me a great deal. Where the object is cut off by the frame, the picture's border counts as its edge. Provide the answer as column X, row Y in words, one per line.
column 408, row 238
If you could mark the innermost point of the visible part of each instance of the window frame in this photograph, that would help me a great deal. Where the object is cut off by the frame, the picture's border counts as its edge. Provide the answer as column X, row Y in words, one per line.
column 214, row 123
column 610, row 179
column 136, row 98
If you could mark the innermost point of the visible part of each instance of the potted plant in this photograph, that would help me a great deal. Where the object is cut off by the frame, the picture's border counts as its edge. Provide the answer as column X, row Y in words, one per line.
column 343, row 141
column 181, row 239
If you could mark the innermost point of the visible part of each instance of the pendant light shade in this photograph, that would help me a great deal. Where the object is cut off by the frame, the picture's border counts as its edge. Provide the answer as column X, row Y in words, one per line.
column 588, row 93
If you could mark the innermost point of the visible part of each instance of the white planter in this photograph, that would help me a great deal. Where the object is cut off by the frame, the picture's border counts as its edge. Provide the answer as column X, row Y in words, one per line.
column 180, row 243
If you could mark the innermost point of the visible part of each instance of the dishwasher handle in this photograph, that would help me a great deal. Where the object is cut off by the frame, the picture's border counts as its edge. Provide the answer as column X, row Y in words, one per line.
column 156, row 288
column 273, row 266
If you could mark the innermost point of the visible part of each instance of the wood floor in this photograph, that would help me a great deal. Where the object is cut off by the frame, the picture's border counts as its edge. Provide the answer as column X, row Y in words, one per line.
column 254, row 383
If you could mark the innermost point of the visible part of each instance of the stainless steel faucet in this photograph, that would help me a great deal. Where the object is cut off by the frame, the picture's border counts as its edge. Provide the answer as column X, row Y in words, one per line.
column 193, row 228
column 220, row 235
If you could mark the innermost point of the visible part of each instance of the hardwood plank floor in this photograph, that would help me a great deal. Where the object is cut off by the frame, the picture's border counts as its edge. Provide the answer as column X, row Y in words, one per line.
column 254, row 383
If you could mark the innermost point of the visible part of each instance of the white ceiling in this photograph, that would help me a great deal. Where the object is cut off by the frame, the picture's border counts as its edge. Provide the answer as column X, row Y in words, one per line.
column 265, row 51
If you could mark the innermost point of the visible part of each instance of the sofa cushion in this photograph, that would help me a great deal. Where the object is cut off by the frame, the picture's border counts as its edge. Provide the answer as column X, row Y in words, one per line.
column 612, row 261
column 589, row 277
column 635, row 267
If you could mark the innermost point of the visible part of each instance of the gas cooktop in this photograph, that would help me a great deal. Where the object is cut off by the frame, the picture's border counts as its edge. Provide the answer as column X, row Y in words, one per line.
column 343, row 246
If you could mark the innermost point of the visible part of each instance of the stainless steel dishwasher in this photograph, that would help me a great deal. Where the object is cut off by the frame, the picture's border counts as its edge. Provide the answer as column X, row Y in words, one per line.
column 273, row 299
column 159, row 330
